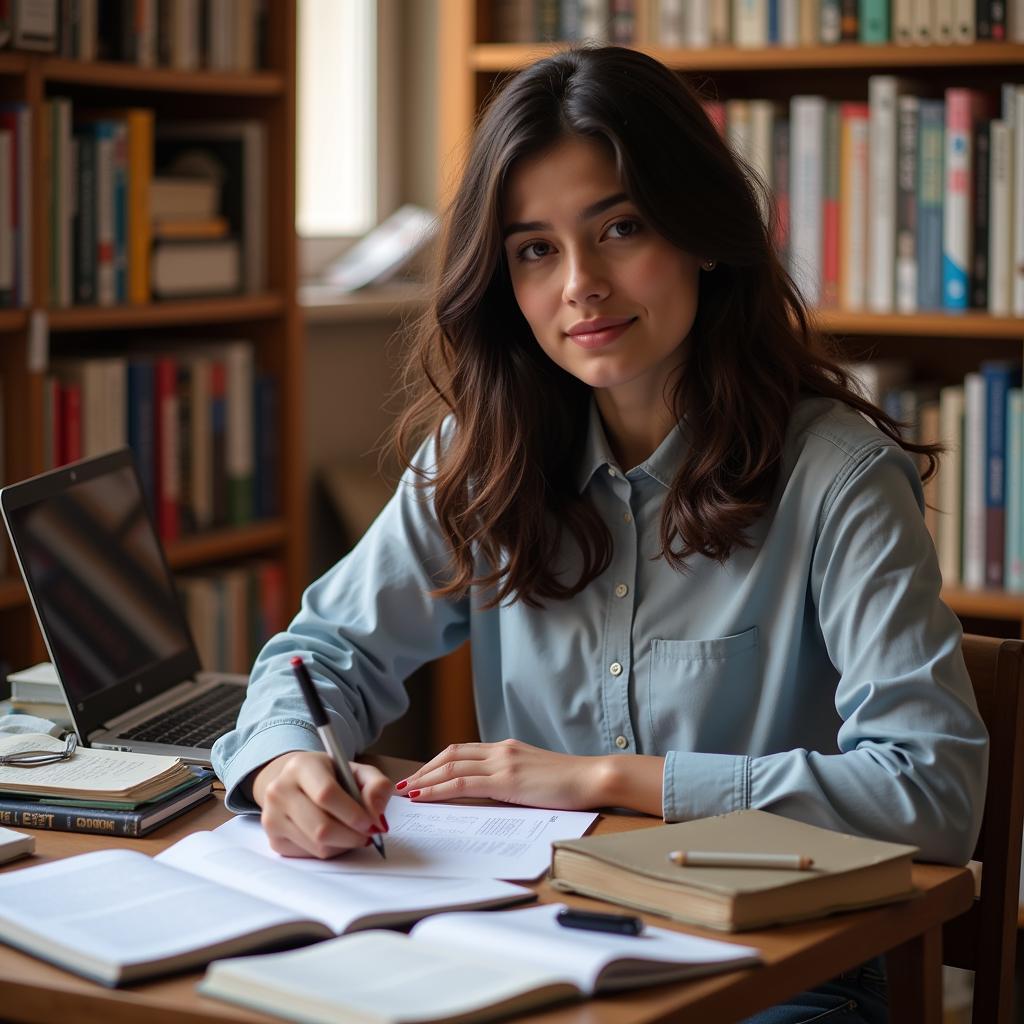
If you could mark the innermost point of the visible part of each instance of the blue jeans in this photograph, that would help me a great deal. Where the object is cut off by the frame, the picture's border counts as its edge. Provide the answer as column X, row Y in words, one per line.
column 857, row 996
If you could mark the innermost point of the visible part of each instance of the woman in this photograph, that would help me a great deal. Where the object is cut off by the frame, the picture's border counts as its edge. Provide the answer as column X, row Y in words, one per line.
column 689, row 556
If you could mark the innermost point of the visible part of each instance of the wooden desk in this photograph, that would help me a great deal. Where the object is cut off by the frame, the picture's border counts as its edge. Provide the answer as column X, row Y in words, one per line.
column 796, row 956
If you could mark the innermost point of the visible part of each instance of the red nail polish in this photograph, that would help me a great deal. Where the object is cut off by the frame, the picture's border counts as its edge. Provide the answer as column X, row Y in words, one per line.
column 384, row 823
column 374, row 831
column 402, row 784
column 414, row 792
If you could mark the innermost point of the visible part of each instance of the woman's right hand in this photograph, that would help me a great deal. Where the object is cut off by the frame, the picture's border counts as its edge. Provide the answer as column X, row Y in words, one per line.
column 306, row 813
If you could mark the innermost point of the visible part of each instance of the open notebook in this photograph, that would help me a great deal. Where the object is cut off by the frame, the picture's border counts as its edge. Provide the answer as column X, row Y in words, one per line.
column 118, row 916
column 462, row 967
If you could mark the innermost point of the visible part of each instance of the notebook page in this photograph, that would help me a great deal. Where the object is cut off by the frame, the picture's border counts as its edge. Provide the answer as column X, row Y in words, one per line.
column 444, row 840
column 421, row 983
column 338, row 900
column 533, row 936
column 87, row 769
column 124, row 908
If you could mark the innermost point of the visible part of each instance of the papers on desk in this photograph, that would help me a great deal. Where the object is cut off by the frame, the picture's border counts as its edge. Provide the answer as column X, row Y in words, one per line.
column 15, row 844
column 463, row 966
column 442, row 841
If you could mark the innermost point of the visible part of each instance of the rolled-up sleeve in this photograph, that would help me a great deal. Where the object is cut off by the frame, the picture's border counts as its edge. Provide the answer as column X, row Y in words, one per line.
column 362, row 629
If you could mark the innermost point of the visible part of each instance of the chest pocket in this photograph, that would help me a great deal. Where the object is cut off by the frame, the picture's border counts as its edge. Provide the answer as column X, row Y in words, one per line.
column 703, row 694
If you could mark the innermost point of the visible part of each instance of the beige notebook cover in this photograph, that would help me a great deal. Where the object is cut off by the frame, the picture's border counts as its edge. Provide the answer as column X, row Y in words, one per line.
column 633, row 868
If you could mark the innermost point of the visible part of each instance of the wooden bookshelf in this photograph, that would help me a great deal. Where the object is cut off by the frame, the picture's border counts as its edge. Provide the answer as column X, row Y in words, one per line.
column 470, row 65
column 270, row 319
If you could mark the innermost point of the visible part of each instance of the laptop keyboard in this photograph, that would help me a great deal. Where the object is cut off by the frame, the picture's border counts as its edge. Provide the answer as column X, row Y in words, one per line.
column 194, row 724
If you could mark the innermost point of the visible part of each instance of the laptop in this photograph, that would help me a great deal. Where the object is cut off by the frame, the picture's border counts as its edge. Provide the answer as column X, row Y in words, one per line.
column 110, row 615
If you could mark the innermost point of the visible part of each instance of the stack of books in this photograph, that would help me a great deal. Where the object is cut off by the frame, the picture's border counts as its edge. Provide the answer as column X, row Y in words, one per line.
column 104, row 792
column 36, row 691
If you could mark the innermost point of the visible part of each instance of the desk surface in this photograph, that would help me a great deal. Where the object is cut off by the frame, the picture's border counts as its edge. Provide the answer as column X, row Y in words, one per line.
column 795, row 956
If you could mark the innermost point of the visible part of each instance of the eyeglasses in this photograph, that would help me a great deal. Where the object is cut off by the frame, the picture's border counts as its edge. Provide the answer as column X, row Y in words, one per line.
column 34, row 758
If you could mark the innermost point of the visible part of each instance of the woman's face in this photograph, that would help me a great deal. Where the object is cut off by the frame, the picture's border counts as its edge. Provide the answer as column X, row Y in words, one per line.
column 608, row 298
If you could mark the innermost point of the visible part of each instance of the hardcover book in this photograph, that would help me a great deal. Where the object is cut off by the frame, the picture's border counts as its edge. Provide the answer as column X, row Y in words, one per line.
column 633, row 869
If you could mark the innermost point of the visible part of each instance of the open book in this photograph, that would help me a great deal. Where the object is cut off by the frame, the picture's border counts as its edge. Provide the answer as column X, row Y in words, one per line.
column 462, row 967
column 111, row 778
column 633, row 868
column 117, row 916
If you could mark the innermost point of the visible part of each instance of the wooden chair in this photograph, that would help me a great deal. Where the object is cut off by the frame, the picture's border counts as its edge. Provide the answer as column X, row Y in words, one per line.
column 984, row 939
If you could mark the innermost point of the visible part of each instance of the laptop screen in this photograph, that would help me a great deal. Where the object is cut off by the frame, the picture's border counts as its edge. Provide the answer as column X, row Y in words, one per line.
column 101, row 590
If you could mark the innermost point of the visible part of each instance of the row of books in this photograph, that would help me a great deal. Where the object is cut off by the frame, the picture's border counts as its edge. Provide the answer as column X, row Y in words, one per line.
column 15, row 211
column 232, row 612
column 901, row 204
column 118, row 234
column 187, row 35
column 975, row 510
column 701, row 24
column 202, row 422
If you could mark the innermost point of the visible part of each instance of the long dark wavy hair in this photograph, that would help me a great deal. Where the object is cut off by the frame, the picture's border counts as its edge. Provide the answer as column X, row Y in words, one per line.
column 504, row 488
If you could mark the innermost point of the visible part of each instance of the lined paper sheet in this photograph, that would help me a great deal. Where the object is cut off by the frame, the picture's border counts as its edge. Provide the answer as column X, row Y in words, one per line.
column 443, row 841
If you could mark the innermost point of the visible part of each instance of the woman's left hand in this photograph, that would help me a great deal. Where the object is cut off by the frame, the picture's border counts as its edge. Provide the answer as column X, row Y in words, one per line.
column 514, row 773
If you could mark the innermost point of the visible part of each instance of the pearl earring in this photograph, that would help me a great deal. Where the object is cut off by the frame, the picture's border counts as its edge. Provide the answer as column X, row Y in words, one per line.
column 708, row 265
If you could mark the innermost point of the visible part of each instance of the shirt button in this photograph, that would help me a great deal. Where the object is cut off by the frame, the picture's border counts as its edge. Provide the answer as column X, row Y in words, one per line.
column 621, row 742
column 615, row 668
column 621, row 590
column 627, row 518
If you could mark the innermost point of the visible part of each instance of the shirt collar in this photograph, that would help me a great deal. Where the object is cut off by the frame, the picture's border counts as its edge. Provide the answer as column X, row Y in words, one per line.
column 661, row 465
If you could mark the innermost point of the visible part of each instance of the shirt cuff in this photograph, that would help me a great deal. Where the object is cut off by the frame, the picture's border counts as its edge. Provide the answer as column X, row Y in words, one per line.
column 261, row 747
column 702, row 785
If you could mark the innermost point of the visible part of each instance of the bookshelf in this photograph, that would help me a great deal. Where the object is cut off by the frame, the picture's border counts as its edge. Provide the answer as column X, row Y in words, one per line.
column 269, row 318
column 472, row 65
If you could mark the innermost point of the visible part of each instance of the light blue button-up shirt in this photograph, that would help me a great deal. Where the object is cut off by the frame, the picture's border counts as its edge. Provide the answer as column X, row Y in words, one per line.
column 815, row 674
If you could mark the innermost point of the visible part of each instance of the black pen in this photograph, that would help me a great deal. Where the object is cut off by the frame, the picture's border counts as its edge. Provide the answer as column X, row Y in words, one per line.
column 329, row 740
column 594, row 921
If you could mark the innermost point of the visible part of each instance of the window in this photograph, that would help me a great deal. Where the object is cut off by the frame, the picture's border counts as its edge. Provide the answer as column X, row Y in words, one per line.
column 337, row 117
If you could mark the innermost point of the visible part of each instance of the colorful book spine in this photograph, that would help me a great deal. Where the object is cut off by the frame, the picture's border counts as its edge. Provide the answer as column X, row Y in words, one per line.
column 85, row 221
column 980, row 192
column 830, row 210
column 930, row 202
column 140, row 174
column 1017, row 264
column 957, row 247
column 167, row 461
column 1000, row 218
column 882, row 93
column 142, row 426
column 874, row 21
column 999, row 376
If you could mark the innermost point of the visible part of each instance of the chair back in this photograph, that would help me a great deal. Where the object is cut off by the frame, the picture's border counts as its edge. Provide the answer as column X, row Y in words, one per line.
column 984, row 938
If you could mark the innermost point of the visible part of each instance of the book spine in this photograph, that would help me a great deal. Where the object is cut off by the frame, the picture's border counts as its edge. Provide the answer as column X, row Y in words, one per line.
column 186, row 499
column 930, row 204
column 240, row 447
column 906, row 204
column 831, row 21
column 903, row 17
column 830, row 211
column 121, row 211
column 951, row 491
column 218, row 431
column 1017, row 263
column 7, row 243
column 874, row 21
column 807, row 127
column 1014, row 566
column 167, row 473
column 141, row 427
column 974, row 482
column 921, row 21
column 750, row 23
column 57, row 818
column 853, row 206
column 1000, row 222
column 998, row 378
column 849, row 19
column 106, row 277
column 882, row 91
column 980, row 225
column 85, row 232
column 140, row 174
column 942, row 22
column 956, row 240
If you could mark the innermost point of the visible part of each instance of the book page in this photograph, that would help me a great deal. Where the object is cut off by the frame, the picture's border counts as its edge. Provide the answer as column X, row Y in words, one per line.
column 377, row 974
column 533, row 936
column 87, row 770
column 340, row 901
column 443, row 840
column 124, row 908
